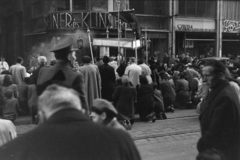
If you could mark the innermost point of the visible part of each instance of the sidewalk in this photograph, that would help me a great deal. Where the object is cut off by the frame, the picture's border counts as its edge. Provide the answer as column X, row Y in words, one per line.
column 177, row 122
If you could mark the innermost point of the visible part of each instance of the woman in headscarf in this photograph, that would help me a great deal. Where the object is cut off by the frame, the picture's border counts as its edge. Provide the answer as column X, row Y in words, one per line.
column 145, row 101
column 8, row 84
column 182, row 92
column 124, row 97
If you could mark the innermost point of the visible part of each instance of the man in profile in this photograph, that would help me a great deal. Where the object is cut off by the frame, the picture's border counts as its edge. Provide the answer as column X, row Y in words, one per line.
column 65, row 132
column 220, row 111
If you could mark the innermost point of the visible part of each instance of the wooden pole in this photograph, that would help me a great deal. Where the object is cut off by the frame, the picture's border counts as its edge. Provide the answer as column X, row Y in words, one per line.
column 136, row 47
column 90, row 44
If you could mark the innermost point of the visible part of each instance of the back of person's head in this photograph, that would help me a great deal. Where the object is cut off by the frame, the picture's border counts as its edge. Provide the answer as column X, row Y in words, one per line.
column 86, row 59
column 9, row 93
column 182, row 75
column 154, row 85
column 53, row 62
column 42, row 60
column 7, row 80
column 105, row 59
column 218, row 67
column 125, row 80
column 143, row 79
column 140, row 61
column 56, row 98
column 19, row 60
column 132, row 60
column 119, row 81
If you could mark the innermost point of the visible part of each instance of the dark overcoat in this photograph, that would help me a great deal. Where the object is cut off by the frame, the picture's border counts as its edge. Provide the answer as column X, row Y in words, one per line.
column 124, row 97
column 69, row 135
column 72, row 80
column 220, row 122
column 108, row 80
column 145, row 100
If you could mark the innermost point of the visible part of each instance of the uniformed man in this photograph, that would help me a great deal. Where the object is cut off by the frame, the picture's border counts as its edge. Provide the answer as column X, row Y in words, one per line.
column 62, row 73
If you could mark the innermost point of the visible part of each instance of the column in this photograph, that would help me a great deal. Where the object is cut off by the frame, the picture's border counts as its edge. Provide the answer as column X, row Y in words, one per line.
column 219, row 29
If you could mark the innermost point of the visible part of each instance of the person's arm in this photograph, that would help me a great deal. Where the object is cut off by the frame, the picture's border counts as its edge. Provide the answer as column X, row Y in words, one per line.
column 221, row 125
column 23, row 73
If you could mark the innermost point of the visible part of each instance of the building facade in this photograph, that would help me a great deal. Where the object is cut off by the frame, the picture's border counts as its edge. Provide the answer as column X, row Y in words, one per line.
column 30, row 28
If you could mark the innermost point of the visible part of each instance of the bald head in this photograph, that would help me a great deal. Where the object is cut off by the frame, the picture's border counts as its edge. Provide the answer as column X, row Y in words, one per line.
column 56, row 98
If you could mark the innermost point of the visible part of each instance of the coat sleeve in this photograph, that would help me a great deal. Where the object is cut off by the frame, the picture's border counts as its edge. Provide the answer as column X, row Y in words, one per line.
column 78, row 85
column 221, row 125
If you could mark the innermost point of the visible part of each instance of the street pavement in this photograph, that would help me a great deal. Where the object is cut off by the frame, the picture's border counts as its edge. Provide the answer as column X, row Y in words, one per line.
column 172, row 139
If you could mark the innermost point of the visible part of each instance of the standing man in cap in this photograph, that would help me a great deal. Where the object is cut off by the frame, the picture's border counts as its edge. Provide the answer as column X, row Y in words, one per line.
column 92, row 80
column 104, row 113
column 108, row 79
column 65, row 133
column 133, row 71
column 63, row 72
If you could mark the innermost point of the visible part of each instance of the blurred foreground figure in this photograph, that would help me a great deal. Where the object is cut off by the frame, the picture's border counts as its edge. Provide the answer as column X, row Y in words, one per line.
column 7, row 131
column 65, row 132
column 219, row 119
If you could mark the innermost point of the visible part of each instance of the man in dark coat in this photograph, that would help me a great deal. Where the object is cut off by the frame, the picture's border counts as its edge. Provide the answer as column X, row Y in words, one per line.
column 108, row 79
column 220, row 113
column 66, row 133
column 70, row 78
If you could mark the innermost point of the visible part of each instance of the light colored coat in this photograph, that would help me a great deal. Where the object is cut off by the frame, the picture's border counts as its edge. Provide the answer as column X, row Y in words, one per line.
column 92, row 81
column 18, row 73
column 133, row 72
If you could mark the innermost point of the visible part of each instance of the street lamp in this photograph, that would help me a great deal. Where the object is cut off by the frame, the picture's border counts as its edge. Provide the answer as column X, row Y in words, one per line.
column 80, row 43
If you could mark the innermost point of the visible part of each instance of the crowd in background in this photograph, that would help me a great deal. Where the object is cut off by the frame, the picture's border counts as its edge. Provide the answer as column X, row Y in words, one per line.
column 141, row 88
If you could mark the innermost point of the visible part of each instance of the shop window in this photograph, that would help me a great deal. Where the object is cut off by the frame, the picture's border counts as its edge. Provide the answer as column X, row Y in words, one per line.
column 62, row 5
column 80, row 4
column 99, row 5
column 151, row 7
column 197, row 8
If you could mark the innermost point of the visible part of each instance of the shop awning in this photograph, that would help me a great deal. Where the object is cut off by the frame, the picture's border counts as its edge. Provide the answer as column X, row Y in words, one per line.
column 129, row 17
column 113, row 42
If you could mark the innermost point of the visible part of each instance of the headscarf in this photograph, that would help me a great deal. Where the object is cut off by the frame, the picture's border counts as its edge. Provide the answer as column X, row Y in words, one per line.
column 7, row 80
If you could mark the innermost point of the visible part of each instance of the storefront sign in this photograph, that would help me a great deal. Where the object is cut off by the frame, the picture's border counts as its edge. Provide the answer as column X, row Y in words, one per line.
column 186, row 27
column 81, row 20
column 231, row 26
column 193, row 25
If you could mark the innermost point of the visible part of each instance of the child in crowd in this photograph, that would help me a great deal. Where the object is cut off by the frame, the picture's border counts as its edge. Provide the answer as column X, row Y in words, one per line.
column 10, row 106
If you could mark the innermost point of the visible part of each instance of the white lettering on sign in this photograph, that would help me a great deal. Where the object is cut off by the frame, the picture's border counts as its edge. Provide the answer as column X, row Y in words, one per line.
column 231, row 26
column 82, row 20
column 186, row 27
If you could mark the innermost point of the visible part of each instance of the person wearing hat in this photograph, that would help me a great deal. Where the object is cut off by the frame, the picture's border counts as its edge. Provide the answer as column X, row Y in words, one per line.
column 63, row 72
column 104, row 113
column 92, row 80
column 108, row 79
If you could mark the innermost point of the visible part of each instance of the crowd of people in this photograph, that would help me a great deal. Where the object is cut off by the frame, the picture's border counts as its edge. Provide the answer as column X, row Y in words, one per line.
column 63, row 95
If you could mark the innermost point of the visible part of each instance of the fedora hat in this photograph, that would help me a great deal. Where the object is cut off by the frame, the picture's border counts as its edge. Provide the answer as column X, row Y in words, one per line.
column 65, row 44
